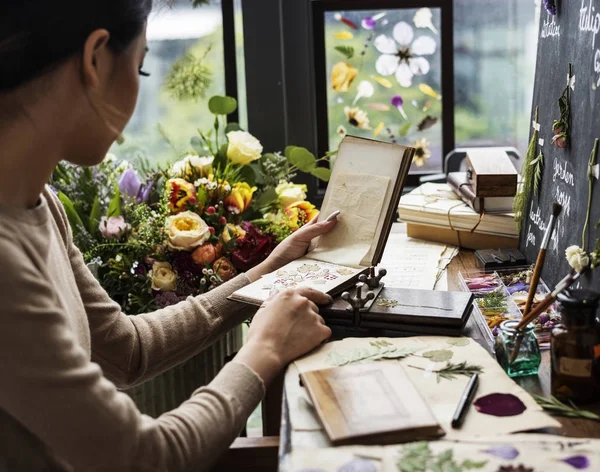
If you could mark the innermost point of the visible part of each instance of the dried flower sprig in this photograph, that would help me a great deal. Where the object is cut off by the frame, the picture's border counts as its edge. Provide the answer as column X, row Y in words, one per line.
column 189, row 78
column 561, row 126
column 527, row 172
column 450, row 371
column 550, row 6
column 556, row 407
column 379, row 350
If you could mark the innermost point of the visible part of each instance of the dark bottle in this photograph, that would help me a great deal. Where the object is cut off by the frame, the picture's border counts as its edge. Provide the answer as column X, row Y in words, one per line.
column 576, row 348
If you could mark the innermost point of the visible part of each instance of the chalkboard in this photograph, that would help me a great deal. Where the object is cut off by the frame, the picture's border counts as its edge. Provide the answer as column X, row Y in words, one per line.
column 569, row 37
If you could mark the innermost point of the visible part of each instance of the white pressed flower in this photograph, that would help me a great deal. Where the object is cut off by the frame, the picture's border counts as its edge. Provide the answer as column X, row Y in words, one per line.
column 577, row 258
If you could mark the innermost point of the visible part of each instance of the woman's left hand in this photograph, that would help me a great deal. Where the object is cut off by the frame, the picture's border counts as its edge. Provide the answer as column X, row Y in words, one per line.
column 293, row 247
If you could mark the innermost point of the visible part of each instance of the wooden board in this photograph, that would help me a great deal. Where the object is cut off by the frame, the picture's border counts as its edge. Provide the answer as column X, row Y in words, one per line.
column 563, row 39
column 370, row 404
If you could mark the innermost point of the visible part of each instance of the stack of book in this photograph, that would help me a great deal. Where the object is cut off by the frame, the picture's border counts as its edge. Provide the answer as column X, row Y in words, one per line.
column 463, row 188
column 434, row 212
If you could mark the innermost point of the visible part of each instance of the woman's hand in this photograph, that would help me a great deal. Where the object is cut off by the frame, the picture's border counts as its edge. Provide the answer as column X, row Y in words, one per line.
column 293, row 247
column 286, row 327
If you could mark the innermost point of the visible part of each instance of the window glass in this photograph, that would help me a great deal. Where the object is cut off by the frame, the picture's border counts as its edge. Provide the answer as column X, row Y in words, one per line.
column 384, row 79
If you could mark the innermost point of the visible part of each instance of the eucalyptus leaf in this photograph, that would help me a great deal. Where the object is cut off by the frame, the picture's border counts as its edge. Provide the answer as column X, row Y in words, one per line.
column 232, row 127
column 114, row 207
column 222, row 105
column 288, row 151
column 303, row 159
column 322, row 173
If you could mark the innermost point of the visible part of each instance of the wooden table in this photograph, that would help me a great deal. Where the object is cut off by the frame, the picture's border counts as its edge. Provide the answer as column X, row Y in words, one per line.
column 539, row 385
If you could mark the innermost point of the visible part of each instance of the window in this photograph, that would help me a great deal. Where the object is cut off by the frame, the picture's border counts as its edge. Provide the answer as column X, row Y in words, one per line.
column 161, row 127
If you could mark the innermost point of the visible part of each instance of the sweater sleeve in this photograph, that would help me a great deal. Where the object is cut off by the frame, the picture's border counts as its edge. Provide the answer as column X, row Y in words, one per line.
column 50, row 387
column 133, row 349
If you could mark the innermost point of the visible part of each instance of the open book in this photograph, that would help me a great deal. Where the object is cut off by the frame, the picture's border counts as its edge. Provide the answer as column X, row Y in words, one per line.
column 370, row 404
column 365, row 185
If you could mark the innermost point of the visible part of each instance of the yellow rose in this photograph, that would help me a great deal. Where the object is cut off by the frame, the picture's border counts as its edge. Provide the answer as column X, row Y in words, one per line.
column 240, row 198
column 243, row 148
column 163, row 277
column 300, row 213
column 186, row 231
column 180, row 193
column 191, row 163
column 232, row 232
column 342, row 76
column 290, row 193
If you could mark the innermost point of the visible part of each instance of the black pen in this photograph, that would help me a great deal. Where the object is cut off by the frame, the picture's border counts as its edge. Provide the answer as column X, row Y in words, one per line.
column 465, row 402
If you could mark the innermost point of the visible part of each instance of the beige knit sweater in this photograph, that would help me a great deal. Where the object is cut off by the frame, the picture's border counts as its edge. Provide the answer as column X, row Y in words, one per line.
column 65, row 347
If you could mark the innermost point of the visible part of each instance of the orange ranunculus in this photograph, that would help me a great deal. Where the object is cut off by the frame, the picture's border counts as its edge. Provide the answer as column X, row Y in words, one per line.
column 342, row 76
column 206, row 254
column 232, row 232
column 240, row 198
column 180, row 193
column 300, row 213
column 224, row 269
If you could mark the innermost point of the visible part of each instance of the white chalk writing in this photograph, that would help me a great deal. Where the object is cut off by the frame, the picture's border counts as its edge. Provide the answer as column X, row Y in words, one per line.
column 564, row 199
column 550, row 28
column 535, row 216
column 530, row 237
column 589, row 20
column 561, row 173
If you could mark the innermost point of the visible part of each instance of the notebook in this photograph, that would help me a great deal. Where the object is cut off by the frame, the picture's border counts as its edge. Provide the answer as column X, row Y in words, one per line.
column 365, row 185
column 370, row 404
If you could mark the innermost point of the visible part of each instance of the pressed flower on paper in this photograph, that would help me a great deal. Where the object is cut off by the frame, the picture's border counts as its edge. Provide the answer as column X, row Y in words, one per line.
column 357, row 117
column 422, row 152
column 342, row 76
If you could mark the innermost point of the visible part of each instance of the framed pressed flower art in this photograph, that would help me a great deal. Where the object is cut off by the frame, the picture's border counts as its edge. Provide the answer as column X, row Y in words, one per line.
column 384, row 72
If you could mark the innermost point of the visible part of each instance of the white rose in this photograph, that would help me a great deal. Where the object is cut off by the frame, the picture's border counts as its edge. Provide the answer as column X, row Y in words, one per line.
column 190, row 163
column 186, row 231
column 577, row 257
column 290, row 193
column 243, row 148
column 163, row 277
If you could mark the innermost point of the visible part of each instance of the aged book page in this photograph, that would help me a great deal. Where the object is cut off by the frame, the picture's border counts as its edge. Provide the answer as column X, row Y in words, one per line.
column 360, row 198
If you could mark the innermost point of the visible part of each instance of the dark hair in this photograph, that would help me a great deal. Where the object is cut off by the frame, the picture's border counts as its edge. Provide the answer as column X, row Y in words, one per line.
column 37, row 35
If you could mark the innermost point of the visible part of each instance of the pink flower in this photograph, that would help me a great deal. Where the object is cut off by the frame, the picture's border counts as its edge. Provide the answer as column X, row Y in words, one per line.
column 112, row 227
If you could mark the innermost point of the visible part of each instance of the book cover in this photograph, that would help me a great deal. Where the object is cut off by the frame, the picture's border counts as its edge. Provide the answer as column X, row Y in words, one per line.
column 365, row 185
column 464, row 239
column 461, row 185
column 370, row 404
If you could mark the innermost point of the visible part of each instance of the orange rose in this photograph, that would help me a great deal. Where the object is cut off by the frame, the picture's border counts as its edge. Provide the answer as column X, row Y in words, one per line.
column 205, row 254
column 300, row 213
column 224, row 269
column 240, row 198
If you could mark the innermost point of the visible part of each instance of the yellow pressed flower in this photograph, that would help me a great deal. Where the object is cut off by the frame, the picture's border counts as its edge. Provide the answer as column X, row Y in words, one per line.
column 357, row 117
column 378, row 130
column 341, row 131
column 427, row 90
column 385, row 82
column 343, row 35
column 421, row 152
column 342, row 76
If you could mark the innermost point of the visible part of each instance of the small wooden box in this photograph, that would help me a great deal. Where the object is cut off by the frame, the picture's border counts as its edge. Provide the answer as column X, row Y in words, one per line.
column 491, row 172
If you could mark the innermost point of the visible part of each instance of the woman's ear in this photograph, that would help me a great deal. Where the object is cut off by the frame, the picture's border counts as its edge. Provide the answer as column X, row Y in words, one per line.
column 96, row 58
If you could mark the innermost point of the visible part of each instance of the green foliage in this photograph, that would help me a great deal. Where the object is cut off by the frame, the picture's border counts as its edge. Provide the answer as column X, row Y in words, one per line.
column 346, row 51
column 441, row 355
column 538, row 167
column 450, row 371
column 493, row 301
column 322, row 173
column 403, row 131
column 379, row 350
column 267, row 197
column 189, row 78
column 72, row 215
column 527, row 171
column 303, row 159
column 555, row 407
column 222, row 105
column 114, row 207
column 418, row 457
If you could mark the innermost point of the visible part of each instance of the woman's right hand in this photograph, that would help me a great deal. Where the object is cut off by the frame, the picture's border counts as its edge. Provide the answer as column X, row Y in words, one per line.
column 288, row 326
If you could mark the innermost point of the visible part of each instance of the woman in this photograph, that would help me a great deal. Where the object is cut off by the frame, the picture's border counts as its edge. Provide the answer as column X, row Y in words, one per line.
column 68, row 85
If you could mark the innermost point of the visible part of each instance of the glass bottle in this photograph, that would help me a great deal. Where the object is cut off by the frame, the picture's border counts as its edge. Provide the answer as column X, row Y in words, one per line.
column 575, row 348
column 527, row 358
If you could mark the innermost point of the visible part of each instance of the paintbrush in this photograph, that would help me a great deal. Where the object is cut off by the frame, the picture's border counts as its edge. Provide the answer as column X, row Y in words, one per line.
column 537, row 273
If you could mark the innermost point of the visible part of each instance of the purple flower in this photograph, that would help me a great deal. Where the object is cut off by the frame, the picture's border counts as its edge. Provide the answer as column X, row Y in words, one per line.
column 549, row 325
column 520, row 287
column 496, row 331
column 164, row 299
column 503, row 452
column 397, row 101
column 145, row 191
column 578, row 462
column 550, row 6
column 130, row 184
column 368, row 23
column 500, row 404
column 544, row 318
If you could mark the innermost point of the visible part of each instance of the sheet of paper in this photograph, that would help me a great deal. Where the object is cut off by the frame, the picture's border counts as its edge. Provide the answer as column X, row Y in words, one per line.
column 411, row 263
column 303, row 272
column 441, row 394
column 360, row 199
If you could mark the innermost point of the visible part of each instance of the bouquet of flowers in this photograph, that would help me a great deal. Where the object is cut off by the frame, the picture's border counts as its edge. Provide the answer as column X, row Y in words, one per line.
column 153, row 236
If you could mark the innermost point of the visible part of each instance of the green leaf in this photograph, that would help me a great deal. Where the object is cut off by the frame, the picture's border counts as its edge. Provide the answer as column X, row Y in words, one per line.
column 458, row 341
column 303, row 159
column 446, row 456
column 71, row 212
column 221, row 158
column 322, row 173
column 222, row 105
column 95, row 215
column 346, row 51
column 469, row 464
column 232, row 127
column 441, row 355
column 403, row 131
column 267, row 198
column 197, row 144
column 248, row 175
column 114, row 207
column 288, row 151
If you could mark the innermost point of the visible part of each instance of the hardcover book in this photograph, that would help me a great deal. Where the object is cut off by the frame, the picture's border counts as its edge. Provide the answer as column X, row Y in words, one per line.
column 463, row 187
column 370, row 404
column 365, row 185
